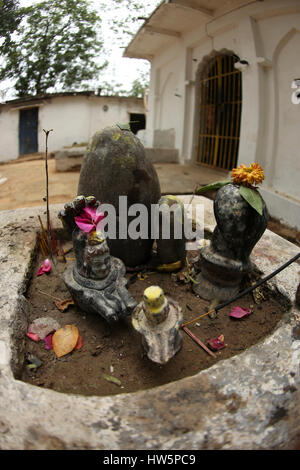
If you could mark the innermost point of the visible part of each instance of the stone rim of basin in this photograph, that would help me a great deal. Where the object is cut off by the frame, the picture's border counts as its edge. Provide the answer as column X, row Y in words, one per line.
column 257, row 390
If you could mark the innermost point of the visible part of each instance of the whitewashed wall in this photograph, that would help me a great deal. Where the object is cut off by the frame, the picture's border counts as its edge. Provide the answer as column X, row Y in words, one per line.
column 72, row 118
column 267, row 35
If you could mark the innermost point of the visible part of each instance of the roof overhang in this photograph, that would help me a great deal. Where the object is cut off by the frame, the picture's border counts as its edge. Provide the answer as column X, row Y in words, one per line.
column 173, row 19
column 168, row 23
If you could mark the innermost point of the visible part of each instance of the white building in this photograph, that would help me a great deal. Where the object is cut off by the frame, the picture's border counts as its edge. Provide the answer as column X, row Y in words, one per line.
column 223, row 88
column 74, row 118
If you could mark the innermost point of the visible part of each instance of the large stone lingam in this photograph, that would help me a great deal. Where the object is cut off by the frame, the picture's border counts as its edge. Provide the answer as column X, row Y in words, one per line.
column 115, row 166
column 96, row 280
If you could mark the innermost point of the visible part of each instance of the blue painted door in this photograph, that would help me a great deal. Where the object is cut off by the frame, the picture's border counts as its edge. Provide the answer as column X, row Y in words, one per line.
column 28, row 127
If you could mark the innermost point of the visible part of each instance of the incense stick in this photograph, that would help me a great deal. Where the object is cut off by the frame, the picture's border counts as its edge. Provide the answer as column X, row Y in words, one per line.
column 197, row 340
column 61, row 250
column 48, row 295
column 197, row 318
column 53, row 241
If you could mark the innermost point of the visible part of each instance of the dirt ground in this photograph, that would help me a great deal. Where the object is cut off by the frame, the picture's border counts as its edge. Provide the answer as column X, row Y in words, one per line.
column 28, row 177
column 117, row 351
column 25, row 185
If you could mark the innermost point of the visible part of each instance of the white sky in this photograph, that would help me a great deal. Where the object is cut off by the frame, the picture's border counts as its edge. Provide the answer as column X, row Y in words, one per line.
column 120, row 69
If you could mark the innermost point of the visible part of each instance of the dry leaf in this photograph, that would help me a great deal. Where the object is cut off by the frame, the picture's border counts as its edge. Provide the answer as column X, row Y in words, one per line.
column 65, row 339
column 62, row 305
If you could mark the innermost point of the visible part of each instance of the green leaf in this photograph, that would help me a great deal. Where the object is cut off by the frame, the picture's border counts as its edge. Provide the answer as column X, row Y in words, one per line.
column 114, row 380
column 124, row 127
column 212, row 186
column 253, row 198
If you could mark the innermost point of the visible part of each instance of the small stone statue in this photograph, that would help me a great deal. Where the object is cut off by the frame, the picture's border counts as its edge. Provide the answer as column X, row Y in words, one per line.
column 96, row 280
column 171, row 250
column 158, row 319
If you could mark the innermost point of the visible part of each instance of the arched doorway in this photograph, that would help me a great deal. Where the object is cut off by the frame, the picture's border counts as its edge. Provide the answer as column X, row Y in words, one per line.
column 219, row 107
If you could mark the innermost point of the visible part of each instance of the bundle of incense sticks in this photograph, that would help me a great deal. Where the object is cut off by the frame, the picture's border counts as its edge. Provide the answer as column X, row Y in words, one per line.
column 55, row 246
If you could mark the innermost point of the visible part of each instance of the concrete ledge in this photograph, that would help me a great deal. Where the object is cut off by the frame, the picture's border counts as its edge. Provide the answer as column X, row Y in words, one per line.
column 162, row 155
column 250, row 401
column 69, row 159
column 282, row 207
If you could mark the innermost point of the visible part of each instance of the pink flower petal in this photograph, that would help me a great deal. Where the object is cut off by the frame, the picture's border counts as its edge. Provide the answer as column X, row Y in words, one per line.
column 33, row 336
column 216, row 343
column 89, row 212
column 239, row 312
column 88, row 219
column 99, row 217
column 48, row 341
column 45, row 268
column 84, row 224
column 79, row 343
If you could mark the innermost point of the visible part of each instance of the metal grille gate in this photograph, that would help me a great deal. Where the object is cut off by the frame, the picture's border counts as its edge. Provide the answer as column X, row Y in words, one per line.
column 220, row 113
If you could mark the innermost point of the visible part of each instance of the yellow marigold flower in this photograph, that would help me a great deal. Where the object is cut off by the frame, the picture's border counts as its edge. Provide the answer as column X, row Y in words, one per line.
column 253, row 174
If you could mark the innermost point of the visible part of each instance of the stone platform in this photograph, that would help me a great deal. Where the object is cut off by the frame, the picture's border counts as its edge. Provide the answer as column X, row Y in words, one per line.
column 250, row 401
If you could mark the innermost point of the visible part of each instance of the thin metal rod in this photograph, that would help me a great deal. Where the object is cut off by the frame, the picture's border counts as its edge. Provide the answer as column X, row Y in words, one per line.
column 257, row 284
column 244, row 292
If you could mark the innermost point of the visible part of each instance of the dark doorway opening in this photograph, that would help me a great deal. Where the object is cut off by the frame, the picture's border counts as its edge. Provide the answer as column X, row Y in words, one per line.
column 137, row 122
column 220, row 92
column 28, row 131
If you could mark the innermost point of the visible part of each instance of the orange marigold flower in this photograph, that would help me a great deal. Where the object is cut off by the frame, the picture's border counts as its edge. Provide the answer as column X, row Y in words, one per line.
column 253, row 174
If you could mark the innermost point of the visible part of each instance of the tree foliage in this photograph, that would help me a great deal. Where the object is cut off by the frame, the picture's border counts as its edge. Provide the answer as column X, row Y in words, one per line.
column 139, row 85
column 57, row 43
column 10, row 17
column 126, row 25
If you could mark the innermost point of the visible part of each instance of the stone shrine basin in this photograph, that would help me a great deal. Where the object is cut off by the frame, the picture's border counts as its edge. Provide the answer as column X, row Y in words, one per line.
column 249, row 401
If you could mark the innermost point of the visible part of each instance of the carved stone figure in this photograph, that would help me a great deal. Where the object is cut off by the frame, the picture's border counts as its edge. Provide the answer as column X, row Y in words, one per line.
column 96, row 280
column 226, row 261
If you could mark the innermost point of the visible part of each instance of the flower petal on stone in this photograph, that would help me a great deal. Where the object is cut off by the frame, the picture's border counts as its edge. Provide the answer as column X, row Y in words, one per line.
column 239, row 312
column 86, row 225
column 45, row 268
column 99, row 217
column 88, row 218
column 216, row 343
column 89, row 212
column 33, row 336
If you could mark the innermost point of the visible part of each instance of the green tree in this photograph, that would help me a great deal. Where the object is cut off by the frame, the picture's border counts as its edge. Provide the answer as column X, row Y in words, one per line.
column 126, row 25
column 139, row 85
column 57, row 43
column 10, row 17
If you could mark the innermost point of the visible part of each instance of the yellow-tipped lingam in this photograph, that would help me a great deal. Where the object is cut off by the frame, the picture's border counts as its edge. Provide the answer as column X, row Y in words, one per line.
column 156, row 306
column 158, row 319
